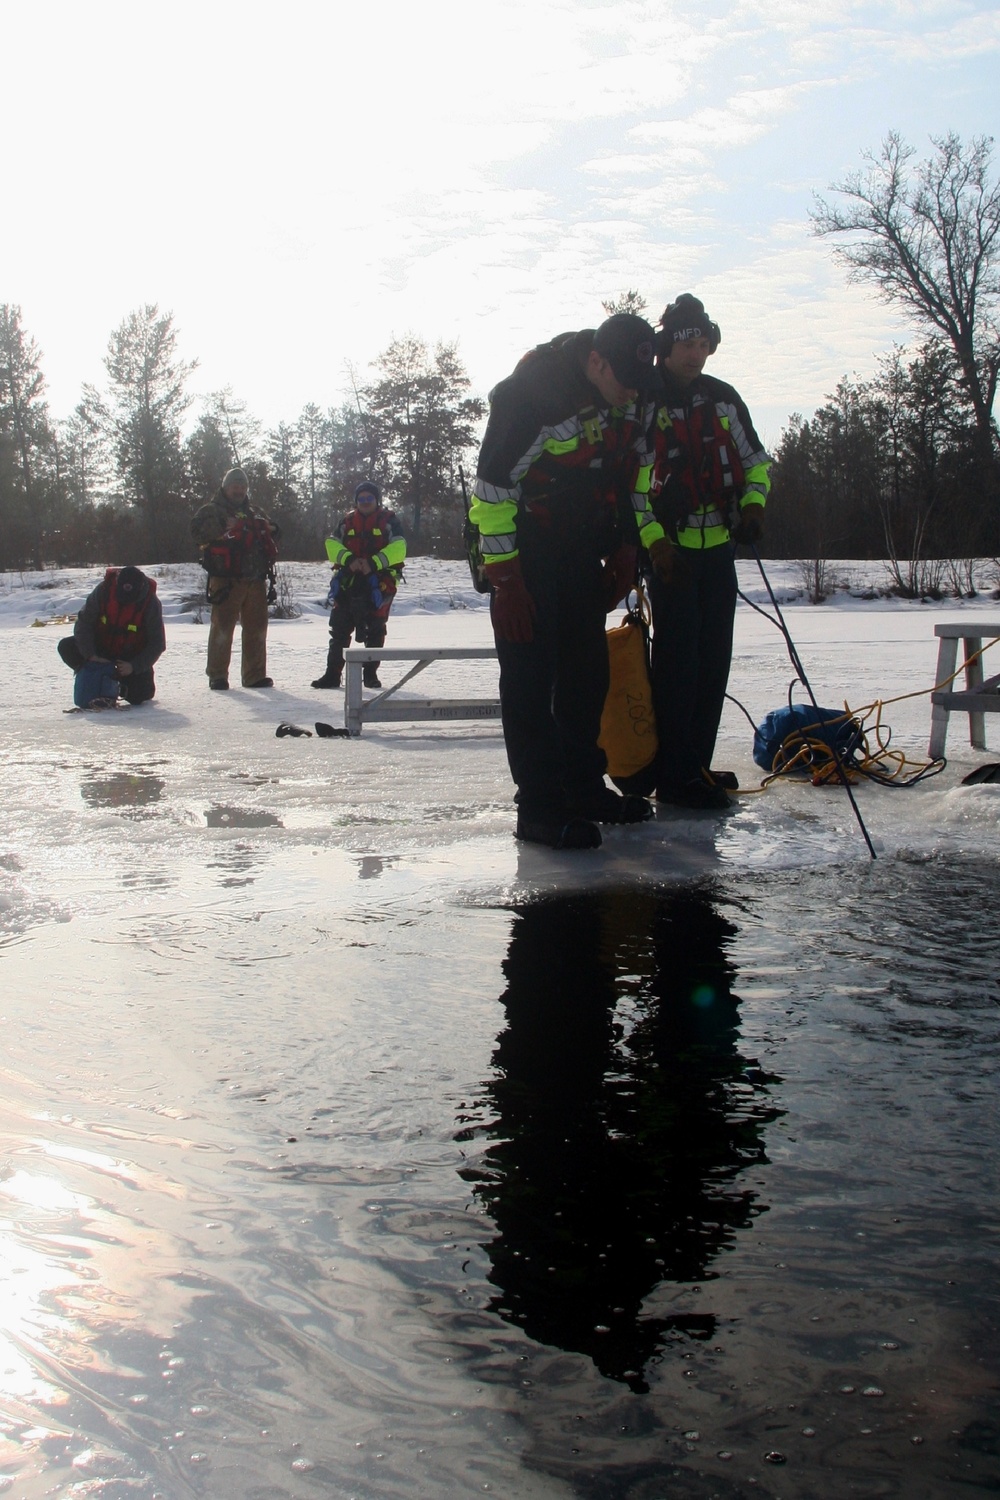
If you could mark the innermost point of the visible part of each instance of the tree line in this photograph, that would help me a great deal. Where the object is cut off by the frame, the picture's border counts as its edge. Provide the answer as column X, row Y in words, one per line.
column 888, row 468
column 118, row 479
column 906, row 465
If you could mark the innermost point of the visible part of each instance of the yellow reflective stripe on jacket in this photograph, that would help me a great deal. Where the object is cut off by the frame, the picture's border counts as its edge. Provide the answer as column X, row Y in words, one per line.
column 702, row 537
column 392, row 555
column 553, row 445
column 133, row 628
column 493, row 512
column 758, row 485
column 648, row 526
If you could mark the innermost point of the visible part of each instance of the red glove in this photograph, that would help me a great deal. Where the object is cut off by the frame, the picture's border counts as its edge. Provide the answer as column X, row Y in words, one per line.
column 512, row 608
column 619, row 575
column 661, row 555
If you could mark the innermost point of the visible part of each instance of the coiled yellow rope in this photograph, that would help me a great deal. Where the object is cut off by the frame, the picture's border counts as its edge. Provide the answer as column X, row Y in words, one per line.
column 802, row 753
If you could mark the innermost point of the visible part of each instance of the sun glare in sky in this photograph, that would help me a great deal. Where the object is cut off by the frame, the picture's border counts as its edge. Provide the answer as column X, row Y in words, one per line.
column 298, row 185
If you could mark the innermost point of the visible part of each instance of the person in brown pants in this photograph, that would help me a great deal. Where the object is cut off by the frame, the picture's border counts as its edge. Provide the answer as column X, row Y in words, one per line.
column 238, row 550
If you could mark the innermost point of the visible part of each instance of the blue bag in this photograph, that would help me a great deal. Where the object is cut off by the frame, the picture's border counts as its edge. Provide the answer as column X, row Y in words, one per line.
column 95, row 679
column 785, row 730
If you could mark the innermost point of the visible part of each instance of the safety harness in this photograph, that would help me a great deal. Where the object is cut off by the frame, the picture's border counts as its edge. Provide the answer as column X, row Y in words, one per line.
column 241, row 552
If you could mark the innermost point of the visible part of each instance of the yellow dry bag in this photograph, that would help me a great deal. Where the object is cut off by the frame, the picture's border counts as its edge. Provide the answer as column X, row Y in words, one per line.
column 628, row 724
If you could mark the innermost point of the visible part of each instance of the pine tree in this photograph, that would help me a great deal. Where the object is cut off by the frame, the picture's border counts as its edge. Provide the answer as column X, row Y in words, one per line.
column 142, row 415
column 27, row 451
column 426, row 422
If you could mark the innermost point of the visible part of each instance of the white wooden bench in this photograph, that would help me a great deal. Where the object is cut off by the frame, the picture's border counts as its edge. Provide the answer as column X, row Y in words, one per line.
column 981, row 696
column 359, row 710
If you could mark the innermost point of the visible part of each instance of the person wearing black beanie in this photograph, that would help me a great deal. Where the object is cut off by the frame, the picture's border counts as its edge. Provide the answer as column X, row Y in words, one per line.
column 710, row 480
column 366, row 553
column 117, row 637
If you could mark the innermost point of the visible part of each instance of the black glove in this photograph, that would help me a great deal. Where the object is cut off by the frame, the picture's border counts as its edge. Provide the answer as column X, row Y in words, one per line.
column 749, row 529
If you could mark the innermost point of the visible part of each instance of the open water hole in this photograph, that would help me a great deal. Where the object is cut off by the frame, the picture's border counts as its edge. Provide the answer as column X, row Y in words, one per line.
column 316, row 1183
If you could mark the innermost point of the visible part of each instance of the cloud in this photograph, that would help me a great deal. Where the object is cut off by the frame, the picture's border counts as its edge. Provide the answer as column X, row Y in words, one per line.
column 738, row 121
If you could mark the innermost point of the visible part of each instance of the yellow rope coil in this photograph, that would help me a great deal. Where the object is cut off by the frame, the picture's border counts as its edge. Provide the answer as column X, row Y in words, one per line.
column 803, row 753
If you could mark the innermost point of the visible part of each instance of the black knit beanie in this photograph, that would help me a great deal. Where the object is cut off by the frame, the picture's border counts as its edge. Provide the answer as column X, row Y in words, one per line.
column 687, row 319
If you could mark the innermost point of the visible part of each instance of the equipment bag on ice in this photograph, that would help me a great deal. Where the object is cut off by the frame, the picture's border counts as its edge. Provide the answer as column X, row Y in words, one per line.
column 806, row 736
column 628, row 723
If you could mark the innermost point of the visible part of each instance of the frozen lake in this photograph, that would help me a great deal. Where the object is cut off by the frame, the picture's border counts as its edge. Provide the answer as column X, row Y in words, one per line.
column 350, row 1149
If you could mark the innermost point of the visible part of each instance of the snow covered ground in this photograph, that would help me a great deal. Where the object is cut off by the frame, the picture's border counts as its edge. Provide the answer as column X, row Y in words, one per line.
column 440, row 794
column 249, row 984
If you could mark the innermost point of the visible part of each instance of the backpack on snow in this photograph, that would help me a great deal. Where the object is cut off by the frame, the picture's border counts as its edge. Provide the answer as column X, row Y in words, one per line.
column 809, row 737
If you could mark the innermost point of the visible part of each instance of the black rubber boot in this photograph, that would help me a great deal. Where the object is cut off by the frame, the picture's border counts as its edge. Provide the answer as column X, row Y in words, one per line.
column 606, row 806
column 334, row 668
column 369, row 675
column 558, row 832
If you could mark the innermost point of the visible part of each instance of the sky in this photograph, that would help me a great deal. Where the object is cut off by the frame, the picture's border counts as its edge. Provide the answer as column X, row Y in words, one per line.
column 297, row 185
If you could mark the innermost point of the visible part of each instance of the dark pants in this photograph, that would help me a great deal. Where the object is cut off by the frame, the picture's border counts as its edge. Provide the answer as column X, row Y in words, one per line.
column 691, row 654
column 354, row 613
column 138, row 687
column 552, row 689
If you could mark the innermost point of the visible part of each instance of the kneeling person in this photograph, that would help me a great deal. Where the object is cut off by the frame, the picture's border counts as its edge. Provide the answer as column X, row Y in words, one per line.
column 117, row 637
column 367, row 554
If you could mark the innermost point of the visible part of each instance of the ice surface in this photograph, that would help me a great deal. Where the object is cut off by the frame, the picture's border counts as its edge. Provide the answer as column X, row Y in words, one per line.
column 249, row 987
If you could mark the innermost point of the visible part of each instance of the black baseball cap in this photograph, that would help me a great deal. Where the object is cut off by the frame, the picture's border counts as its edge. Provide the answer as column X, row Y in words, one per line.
column 627, row 342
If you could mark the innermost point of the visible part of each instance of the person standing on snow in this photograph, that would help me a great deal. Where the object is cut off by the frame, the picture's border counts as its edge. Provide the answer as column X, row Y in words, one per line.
column 119, row 628
column 561, row 504
column 238, row 551
column 711, row 480
column 367, row 554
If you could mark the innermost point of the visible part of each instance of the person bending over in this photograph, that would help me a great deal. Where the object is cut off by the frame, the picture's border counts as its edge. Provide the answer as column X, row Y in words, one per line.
column 561, row 505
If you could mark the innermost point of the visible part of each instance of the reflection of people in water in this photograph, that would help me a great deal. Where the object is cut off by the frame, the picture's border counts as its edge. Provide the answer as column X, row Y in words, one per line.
column 623, row 1117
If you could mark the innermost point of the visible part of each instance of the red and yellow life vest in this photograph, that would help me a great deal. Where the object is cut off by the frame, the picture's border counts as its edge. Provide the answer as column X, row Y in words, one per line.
column 366, row 536
column 698, row 473
column 121, row 626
